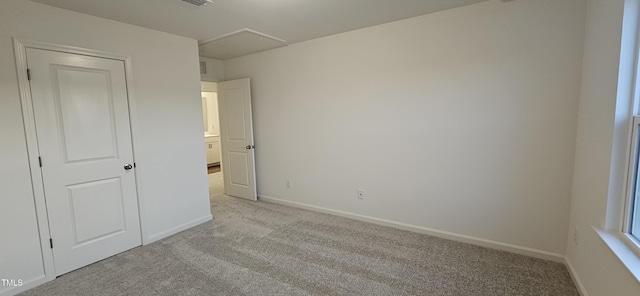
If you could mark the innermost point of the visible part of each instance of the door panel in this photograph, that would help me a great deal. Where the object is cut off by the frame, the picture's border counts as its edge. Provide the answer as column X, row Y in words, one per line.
column 89, row 134
column 238, row 172
column 236, row 137
column 235, row 115
column 84, row 139
column 98, row 200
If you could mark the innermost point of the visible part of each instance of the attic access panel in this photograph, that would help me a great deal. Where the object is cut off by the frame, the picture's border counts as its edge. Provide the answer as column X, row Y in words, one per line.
column 238, row 43
column 198, row 2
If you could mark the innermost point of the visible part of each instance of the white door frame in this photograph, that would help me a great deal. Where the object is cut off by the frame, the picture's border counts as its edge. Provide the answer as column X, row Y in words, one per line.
column 20, row 50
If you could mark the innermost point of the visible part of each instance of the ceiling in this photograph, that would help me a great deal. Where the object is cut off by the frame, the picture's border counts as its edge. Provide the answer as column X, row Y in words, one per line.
column 288, row 20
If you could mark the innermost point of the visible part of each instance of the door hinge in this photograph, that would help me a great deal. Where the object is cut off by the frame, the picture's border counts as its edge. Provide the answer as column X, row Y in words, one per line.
column 134, row 164
column 51, row 242
column 29, row 74
column 40, row 161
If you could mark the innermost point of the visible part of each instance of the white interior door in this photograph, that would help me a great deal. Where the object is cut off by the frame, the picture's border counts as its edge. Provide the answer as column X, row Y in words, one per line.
column 84, row 139
column 236, row 137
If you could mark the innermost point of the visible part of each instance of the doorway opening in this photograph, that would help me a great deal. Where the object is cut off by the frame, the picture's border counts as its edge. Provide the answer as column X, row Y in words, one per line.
column 211, row 124
column 229, row 136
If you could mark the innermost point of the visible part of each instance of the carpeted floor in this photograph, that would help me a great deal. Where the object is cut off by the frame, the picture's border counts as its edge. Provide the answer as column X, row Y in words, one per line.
column 216, row 188
column 260, row 248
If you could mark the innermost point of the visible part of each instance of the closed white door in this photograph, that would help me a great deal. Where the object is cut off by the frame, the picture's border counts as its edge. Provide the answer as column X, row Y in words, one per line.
column 84, row 139
column 236, row 137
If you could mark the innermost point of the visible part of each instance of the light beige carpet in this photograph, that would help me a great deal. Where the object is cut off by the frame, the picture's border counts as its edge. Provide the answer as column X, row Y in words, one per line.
column 216, row 185
column 259, row 248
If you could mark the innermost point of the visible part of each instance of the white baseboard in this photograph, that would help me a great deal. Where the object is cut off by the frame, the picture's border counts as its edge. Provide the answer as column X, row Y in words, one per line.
column 172, row 231
column 575, row 277
column 433, row 232
column 26, row 285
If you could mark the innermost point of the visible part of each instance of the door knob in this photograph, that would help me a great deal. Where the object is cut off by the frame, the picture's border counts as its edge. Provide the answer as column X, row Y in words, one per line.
column 250, row 147
column 128, row 166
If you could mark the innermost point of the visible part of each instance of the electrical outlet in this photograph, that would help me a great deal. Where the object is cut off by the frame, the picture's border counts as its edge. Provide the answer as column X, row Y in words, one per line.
column 360, row 194
column 289, row 184
column 575, row 236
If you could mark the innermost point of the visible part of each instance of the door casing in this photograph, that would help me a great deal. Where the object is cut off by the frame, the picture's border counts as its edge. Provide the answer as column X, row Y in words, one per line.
column 20, row 46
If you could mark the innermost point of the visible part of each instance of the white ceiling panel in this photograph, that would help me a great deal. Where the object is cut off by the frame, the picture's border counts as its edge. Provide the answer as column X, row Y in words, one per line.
column 237, row 44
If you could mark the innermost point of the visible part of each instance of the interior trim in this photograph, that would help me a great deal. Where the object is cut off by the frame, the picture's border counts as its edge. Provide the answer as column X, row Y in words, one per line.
column 419, row 229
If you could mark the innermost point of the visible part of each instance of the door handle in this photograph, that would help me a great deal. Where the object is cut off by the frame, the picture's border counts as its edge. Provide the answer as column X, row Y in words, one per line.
column 128, row 166
column 249, row 147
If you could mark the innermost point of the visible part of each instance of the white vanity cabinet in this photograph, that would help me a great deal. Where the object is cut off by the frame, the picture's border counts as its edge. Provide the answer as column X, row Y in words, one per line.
column 212, row 147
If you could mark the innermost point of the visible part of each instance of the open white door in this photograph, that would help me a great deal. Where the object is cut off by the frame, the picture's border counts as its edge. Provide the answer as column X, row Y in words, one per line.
column 236, row 137
column 84, row 139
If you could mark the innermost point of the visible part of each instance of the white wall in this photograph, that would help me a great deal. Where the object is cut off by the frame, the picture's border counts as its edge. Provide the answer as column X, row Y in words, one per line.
column 462, row 121
column 215, row 70
column 213, row 119
column 598, row 174
column 170, row 155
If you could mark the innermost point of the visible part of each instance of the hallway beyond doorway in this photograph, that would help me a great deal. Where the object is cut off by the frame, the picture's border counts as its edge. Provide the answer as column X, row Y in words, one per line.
column 213, row 169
